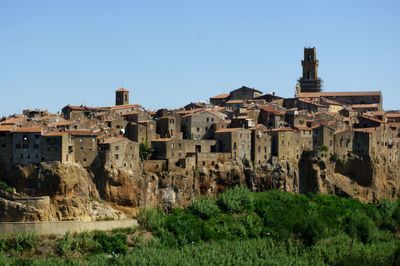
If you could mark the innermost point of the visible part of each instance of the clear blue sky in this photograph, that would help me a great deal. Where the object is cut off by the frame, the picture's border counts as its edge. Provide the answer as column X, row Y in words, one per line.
column 169, row 53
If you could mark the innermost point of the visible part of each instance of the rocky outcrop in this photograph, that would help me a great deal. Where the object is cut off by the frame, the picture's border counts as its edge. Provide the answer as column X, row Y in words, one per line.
column 70, row 188
column 76, row 193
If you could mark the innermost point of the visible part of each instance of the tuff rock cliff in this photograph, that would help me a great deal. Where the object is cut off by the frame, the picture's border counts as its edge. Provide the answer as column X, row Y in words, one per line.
column 75, row 193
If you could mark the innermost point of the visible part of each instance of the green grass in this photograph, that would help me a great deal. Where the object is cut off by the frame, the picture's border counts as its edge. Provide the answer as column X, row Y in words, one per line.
column 238, row 227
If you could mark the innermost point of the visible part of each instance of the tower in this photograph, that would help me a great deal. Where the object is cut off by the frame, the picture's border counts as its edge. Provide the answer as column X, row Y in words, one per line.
column 121, row 97
column 310, row 82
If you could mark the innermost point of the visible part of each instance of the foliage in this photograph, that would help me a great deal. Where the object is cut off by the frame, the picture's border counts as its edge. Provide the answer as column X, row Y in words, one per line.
column 238, row 227
column 145, row 150
column 6, row 187
column 236, row 200
column 324, row 148
column 334, row 157
column 204, row 208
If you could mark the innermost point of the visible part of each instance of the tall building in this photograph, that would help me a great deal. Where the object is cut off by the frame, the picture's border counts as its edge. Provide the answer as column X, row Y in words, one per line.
column 121, row 97
column 310, row 82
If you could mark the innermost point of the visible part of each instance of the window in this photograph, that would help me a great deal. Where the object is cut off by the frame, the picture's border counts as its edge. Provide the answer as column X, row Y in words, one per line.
column 309, row 75
column 309, row 58
column 117, row 148
column 198, row 129
column 81, row 148
column 36, row 146
column 208, row 119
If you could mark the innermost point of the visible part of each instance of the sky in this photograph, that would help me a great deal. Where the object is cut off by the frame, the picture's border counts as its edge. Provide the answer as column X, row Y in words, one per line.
column 170, row 53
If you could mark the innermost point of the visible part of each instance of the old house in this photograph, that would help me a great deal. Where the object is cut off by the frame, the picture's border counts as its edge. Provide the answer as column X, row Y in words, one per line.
column 26, row 143
column 244, row 93
column 57, row 147
column 167, row 148
column 323, row 135
column 85, row 146
column 6, row 145
column 120, row 153
column 261, row 144
column 286, row 143
column 306, row 134
column 201, row 125
column 141, row 132
column 271, row 117
column 220, row 99
column 169, row 125
column 236, row 141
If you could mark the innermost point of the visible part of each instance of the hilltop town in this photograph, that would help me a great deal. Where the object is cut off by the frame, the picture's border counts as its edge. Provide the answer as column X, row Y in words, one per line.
column 318, row 141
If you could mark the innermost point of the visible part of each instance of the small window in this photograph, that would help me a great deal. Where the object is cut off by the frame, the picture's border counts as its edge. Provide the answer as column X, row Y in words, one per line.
column 198, row 129
column 117, row 148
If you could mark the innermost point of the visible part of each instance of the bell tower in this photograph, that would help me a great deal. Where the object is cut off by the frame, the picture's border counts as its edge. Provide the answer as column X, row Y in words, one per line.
column 121, row 97
column 310, row 82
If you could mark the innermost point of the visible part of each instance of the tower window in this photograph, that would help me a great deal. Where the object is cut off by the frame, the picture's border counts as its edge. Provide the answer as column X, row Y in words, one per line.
column 309, row 58
column 309, row 75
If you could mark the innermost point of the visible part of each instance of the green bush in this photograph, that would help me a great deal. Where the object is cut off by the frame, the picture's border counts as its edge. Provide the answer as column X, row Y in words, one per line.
column 6, row 187
column 204, row 208
column 115, row 243
column 20, row 242
column 236, row 200
column 359, row 226
column 310, row 230
column 185, row 227
column 151, row 219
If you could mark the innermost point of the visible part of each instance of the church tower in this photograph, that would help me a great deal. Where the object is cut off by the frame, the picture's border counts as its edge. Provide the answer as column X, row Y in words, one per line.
column 121, row 97
column 310, row 82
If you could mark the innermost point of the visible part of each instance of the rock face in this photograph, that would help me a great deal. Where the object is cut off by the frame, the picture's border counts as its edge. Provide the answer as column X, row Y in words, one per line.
column 76, row 193
column 70, row 188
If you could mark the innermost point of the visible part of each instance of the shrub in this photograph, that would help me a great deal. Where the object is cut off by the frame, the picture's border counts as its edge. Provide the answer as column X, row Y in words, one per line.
column 22, row 241
column 310, row 230
column 236, row 200
column 151, row 219
column 204, row 208
column 5, row 187
column 358, row 225
column 323, row 148
column 186, row 227
column 253, row 224
column 115, row 243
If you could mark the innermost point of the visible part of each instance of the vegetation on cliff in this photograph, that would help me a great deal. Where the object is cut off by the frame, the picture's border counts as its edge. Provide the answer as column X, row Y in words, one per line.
column 237, row 227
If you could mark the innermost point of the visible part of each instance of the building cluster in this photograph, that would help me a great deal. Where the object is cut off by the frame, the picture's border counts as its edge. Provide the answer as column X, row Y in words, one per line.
column 243, row 125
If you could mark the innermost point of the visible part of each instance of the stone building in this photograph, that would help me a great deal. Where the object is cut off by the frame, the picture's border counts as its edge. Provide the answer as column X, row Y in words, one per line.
column 57, row 147
column 220, row 99
column 141, row 132
column 201, row 125
column 167, row 148
column 169, row 125
column 271, row 117
column 120, row 153
column 26, row 143
column 6, row 145
column 236, row 141
column 323, row 135
column 306, row 134
column 261, row 144
column 244, row 93
column 286, row 143
column 85, row 146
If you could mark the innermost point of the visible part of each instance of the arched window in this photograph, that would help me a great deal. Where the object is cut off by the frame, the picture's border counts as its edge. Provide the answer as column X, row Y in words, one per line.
column 309, row 75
